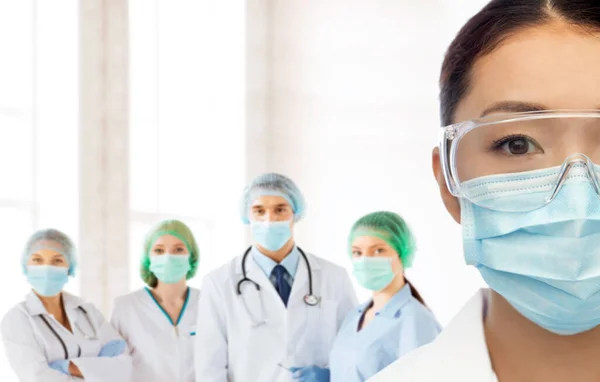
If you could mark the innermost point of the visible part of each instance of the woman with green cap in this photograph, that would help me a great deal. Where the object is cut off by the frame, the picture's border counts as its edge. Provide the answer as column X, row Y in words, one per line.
column 395, row 320
column 159, row 321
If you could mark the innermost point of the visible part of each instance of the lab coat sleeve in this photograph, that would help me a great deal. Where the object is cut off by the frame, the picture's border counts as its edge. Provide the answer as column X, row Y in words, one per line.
column 210, row 353
column 104, row 369
column 347, row 299
column 25, row 354
column 117, row 322
column 418, row 328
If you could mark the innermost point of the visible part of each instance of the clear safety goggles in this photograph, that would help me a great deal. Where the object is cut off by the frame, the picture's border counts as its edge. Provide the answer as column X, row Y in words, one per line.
column 532, row 153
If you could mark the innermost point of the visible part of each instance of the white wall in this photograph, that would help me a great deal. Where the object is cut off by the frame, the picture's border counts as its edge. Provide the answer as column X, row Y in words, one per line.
column 187, row 143
column 353, row 117
column 38, row 131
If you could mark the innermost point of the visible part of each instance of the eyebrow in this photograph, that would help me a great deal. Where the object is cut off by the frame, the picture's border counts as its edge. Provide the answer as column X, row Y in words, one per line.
column 513, row 107
column 258, row 206
column 369, row 247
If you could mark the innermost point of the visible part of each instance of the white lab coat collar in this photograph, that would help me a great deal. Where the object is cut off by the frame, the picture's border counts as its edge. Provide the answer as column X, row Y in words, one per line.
column 459, row 353
column 290, row 262
column 35, row 307
column 463, row 344
column 300, row 287
column 314, row 263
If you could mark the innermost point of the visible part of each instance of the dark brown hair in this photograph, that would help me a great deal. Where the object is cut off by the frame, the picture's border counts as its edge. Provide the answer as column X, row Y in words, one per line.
column 498, row 20
column 415, row 293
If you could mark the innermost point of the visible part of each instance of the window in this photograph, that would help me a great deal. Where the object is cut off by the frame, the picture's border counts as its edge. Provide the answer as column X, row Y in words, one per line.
column 38, row 129
column 187, row 124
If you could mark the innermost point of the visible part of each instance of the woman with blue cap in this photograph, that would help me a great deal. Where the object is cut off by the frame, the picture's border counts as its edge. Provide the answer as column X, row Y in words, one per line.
column 54, row 336
column 272, row 313
column 159, row 321
column 395, row 320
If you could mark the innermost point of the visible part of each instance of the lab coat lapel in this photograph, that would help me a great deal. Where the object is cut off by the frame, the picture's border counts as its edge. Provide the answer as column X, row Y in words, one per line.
column 258, row 275
column 34, row 305
column 300, row 285
column 300, row 288
column 263, row 306
column 71, row 305
column 77, row 318
column 71, row 302
column 465, row 336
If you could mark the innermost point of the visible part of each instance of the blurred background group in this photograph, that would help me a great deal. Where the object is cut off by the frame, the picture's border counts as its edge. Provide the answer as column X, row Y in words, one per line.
column 116, row 114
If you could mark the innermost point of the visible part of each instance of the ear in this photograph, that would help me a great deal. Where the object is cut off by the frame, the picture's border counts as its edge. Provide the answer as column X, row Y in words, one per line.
column 451, row 202
column 398, row 266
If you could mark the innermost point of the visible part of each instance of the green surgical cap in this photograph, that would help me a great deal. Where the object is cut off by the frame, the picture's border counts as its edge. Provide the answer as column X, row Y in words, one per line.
column 174, row 228
column 389, row 227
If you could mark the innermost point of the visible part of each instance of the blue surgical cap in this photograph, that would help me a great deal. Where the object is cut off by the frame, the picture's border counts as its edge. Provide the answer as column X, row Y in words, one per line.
column 272, row 184
column 50, row 239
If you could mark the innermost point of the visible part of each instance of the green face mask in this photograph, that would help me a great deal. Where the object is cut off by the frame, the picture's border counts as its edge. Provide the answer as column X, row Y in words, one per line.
column 169, row 268
column 373, row 273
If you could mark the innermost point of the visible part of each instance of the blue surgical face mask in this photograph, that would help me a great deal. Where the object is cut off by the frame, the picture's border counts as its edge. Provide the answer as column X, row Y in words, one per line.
column 47, row 280
column 373, row 273
column 544, row 262
column 170, row 268
column 272, row 236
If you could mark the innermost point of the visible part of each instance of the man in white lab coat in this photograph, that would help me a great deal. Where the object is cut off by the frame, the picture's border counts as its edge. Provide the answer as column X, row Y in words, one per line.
column 271, row 314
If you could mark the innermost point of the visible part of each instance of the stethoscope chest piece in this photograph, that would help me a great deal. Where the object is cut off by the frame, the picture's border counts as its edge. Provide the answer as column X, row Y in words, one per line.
column 311, row 300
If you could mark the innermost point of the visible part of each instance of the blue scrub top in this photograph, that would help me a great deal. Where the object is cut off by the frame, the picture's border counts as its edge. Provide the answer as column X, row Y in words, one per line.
column 402, row 325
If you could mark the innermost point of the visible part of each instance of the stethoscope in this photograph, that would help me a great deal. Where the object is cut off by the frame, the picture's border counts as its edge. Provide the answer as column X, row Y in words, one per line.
column 310, row 299
column 62, row 342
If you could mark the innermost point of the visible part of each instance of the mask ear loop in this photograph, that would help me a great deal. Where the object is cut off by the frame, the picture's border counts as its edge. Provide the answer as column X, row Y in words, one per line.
column 563, row 174
column 592, row 175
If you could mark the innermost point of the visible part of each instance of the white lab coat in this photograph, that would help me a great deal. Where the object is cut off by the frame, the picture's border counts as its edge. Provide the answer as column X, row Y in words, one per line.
column 30, row 345
column 160, row 351
column 458, row 354
column 236, row 344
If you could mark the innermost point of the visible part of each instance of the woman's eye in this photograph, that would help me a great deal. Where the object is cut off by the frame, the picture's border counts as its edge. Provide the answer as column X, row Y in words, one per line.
column 179, row 249
column 517, row 145
column 158, row 251
column 356, row 253
column 379, row 250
